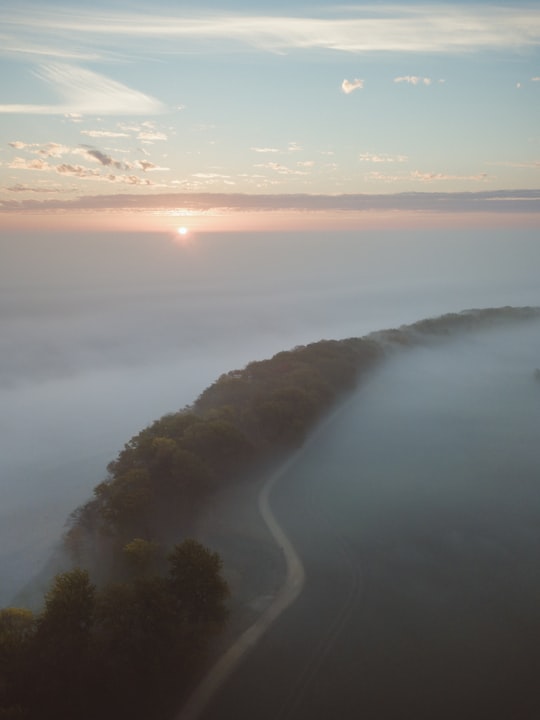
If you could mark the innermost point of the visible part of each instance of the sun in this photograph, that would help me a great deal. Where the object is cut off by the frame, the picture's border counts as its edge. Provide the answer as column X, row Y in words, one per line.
column 183, row 236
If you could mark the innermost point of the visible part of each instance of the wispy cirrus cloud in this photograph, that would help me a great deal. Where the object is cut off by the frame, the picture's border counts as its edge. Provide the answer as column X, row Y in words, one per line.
column 349, row 86
column 431, row 27
column 85, row 92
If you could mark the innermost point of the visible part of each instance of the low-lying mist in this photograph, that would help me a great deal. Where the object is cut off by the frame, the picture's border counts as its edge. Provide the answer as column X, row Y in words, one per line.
column 102, row 334
column 430, row 476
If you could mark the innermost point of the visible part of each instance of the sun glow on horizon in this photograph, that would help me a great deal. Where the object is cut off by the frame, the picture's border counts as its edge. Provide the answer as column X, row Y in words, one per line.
column 182, row 231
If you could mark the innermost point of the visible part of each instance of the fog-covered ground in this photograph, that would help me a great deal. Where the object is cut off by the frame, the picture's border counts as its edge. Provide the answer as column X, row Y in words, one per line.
column 101, row 334
column 428, row 481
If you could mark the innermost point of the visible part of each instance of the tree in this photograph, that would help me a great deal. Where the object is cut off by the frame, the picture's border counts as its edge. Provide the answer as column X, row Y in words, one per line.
column 63, row 668
column 146, row 652
column 141, row 556
column 196, row 583
column 69, row 606
column 222, row 445
column 17, row 628
column 124, row 502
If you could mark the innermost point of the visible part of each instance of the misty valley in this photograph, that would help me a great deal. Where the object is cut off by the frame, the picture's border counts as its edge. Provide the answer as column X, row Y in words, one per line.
column 405, row 486
column 269, row 360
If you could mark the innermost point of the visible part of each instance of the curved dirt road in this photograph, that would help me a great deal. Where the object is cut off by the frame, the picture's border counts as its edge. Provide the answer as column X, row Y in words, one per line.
column 288, row 593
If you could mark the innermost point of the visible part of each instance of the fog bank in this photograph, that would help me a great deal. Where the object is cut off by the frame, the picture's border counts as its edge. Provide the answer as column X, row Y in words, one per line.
column 100, row 334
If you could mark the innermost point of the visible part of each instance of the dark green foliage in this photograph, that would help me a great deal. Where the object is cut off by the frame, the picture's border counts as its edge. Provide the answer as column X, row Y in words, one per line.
column 142, row 557
column 59, row 663
column 196, row 583
column 128, row 650
column 284, row 417
column 17, row 630
column 470, row 320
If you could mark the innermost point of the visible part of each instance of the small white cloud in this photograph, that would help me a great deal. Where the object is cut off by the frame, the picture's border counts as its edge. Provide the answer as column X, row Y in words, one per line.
column 103, row 159
column 535, row 79
column 127, row 179
column 25, row 164
column 383, row 177
column 129, row 127
column 382, row 158
column 413, row 80
column 349, row 86
column 431, row 176
column 76, row 170
column 518, row 85
column 209, row 176
column 265, row 149
column 53, row 149
column 150, row 136
column 103, row 133
column 147, row 166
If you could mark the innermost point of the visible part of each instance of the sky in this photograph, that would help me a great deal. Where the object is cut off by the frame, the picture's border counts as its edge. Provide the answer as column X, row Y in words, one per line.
column 268, row 115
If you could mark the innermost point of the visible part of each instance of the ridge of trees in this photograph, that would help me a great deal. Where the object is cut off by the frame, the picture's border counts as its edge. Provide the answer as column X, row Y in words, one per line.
column 130, row 613
column 165, row 473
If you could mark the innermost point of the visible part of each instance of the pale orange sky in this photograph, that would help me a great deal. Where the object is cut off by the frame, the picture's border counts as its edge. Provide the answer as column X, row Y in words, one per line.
column 239, row 221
